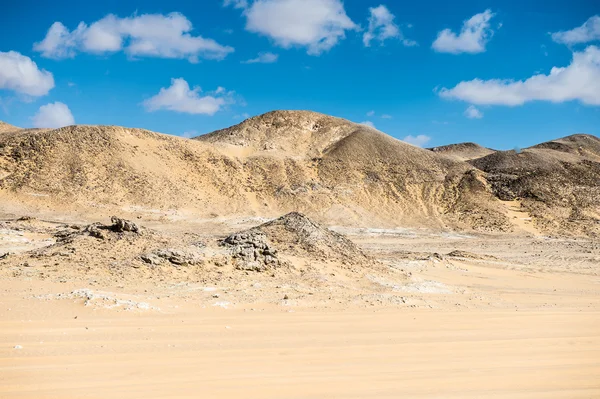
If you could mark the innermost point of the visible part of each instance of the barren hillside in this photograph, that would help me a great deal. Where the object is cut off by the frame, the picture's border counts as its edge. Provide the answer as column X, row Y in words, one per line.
column 5, row 127
column 559, row 182
column 331, row 169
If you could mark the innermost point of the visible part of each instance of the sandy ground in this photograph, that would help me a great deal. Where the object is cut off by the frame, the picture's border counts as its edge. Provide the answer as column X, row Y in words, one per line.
column 515, row 317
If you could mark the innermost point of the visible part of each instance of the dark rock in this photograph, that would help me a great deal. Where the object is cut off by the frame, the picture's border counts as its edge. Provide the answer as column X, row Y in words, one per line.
column 120, row 225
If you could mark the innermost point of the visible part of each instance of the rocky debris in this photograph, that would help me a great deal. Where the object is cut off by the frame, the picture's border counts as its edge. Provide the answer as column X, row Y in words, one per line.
column 174, row 256
column 469, row 255
column 251, row 251
column 301, row 236
column 120, row 225
column 151, row 259
column 96, row 230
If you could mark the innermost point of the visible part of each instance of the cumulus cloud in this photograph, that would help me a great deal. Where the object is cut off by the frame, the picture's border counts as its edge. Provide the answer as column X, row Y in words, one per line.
column 21, row 75
column 580, row 80
column 53, row 115
column 383, row 27
column 368, row 123
column 418, row 141
column 588, row 32
column 189, row 134
column 179, row 97
column 147, row 35
column 236, row 3
column 473, row 113
column 263, row 58
column 317, row 25
column 370, row 113
column 473, row 36
column 245, row 115
column 386, row 116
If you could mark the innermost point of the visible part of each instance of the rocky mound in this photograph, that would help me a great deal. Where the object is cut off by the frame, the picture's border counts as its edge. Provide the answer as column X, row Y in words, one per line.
column 292, row 235
column 463, row 151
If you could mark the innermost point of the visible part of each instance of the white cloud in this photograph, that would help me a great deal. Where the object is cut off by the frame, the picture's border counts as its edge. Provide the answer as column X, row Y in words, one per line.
column 368, row 123
column 382, row 27
column 580, row 80
column 386, row 116
column 263, row 58
column 53, row 115
column 474, row 35
column 147, row 35
column 588, row 32
column 370, row 113
column 189, row 134
column 418, row 141
column 317, row 25
column 473, row 113
column 180, row 98
column 21, row 75
column 245, row 115
column 236, row 3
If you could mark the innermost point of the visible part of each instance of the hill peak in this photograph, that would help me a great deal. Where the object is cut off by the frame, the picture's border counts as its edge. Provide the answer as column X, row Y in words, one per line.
column 6, row 127
column 463, row 151
column 293, row 133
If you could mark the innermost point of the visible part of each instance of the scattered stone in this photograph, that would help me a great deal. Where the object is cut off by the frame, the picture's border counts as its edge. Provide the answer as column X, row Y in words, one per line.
column 94, row 230
column 151, row 259
column 469, row 255
column 176, row 257
column 18, row 347
column 120, row 225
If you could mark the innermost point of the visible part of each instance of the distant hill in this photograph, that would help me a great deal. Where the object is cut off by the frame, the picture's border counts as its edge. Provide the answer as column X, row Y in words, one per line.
column 559, row 181
column 463, row 151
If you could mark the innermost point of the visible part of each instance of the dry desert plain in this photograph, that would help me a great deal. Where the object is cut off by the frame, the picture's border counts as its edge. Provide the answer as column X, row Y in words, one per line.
column 503, row 316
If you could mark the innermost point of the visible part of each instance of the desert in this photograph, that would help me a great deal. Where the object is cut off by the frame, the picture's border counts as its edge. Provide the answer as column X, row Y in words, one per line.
column 300, row 199
column 237, row 266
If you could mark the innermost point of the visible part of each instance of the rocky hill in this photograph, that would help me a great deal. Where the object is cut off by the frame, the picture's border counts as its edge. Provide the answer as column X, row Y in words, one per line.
column 558, row 181
column 328, row 168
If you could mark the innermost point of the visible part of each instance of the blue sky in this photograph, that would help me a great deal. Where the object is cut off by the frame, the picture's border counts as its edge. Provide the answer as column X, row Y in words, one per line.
column 397, row 65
